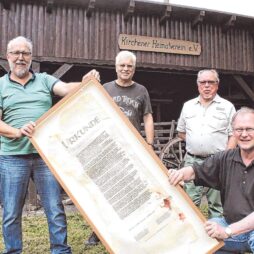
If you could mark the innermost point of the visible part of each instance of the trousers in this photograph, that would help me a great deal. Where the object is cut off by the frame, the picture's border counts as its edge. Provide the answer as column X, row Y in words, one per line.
column 16, row 171
column 196, row 192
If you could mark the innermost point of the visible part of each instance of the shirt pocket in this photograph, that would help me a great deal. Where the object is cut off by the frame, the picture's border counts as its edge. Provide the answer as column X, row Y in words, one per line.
column 219, row 121
column 190, row 120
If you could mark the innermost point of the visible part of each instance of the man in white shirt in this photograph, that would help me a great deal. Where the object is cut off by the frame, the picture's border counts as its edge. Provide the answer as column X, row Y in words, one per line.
column 205, row 125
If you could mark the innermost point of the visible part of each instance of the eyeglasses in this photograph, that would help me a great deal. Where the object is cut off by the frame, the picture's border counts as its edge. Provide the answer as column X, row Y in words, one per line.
column 241, row 130
column 129, row 66
column 23, row 53
column 209, row 82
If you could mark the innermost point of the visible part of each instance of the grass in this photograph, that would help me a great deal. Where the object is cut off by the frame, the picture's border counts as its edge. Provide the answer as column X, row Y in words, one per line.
column 35, row 235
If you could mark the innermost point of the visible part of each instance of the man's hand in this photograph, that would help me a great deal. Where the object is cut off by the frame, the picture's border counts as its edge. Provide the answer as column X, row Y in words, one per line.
column 175, row 177
column 27, row 129
column 92, row 73
column 215, row 230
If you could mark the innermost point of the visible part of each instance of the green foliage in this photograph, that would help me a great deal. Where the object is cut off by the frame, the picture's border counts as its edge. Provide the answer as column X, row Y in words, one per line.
column 35, row 235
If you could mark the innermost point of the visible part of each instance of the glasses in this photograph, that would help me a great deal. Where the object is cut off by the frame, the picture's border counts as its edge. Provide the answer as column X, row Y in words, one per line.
column 18, row 53
column 241, row 130
column 209, row 82
column 129, row 66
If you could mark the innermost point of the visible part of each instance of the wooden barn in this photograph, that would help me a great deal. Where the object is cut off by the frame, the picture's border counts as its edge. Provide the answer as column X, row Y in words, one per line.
column 171, row 43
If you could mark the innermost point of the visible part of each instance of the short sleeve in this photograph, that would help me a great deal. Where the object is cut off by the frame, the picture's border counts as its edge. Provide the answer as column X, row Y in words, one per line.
column 231, row 114
column 181, row 127
column 147, row 108
column 208, row 173
column 49, row 81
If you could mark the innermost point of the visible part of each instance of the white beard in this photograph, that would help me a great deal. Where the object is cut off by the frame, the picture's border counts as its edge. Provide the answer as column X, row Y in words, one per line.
column 21, row 73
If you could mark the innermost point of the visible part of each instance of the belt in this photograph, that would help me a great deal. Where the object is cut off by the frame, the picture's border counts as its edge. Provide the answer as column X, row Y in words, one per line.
column 198, row 156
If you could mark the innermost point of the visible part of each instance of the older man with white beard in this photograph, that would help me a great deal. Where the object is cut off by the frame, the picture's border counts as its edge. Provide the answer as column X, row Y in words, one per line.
column 24, row 97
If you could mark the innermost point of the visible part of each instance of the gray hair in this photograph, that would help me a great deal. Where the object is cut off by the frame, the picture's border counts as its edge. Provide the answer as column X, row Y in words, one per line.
column 126, row 54
column 242, row 111
column 19, row 39
column 209, row 70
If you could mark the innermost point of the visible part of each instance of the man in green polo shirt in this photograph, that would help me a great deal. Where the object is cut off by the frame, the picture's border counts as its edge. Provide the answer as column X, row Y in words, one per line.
column 24, row 97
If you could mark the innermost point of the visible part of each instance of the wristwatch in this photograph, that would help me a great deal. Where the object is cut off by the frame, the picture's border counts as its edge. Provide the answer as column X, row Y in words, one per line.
column 228, row 231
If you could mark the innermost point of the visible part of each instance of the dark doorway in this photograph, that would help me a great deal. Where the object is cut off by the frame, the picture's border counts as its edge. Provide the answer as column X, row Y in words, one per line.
column 168, row 89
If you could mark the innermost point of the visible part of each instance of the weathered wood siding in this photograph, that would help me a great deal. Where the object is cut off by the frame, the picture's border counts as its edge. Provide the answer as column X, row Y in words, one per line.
column 68, row 33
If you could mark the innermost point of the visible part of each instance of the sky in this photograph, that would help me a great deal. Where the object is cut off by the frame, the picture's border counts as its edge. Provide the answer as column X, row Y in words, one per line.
column 243, row 7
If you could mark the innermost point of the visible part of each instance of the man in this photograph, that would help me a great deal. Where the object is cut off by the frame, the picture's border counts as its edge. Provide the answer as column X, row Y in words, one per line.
column 231, row 172
column 204, row 124
column 132, row 98
column 24, row 97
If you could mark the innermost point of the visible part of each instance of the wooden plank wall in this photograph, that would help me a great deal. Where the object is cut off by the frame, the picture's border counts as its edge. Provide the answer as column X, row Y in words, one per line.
column 67, row 32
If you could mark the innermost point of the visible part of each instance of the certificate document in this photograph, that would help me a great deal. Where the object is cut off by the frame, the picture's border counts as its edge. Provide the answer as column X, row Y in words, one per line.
column 114, row 178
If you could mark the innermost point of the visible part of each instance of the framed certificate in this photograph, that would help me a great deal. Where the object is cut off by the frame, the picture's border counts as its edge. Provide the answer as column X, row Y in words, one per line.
column 114, row 178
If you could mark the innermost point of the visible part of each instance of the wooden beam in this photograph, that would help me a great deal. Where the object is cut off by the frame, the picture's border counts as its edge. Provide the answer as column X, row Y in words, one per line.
column 130, row 10
column 4, row 64
column 50, row 4
column 198, row 19
column 166, row 15
column 90, row 8
column 246, row 89
column 166, row 101
column 62, row 70
column 6, row 4
column 229, row 23
column 252, row 85
column 36, row 66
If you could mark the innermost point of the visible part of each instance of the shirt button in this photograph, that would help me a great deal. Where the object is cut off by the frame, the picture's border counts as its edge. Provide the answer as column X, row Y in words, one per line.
column 243, row 182
column 245, row 172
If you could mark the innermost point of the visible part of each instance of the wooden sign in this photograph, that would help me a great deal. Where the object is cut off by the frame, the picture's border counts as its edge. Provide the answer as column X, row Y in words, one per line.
column 115, row 179
column 154, row 44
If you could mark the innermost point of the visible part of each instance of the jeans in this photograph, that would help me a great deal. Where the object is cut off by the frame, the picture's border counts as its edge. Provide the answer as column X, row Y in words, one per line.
column 16, row 171
column 236, row 244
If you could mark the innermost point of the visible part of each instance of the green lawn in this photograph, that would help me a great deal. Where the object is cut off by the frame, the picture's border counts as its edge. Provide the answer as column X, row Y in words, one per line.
column 35, row 235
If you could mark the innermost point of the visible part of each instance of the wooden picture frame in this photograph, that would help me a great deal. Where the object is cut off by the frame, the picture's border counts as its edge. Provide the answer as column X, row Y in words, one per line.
column 115, row 179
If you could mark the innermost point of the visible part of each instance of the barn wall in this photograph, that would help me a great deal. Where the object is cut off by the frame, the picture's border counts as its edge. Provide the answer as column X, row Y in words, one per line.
column 67, row 33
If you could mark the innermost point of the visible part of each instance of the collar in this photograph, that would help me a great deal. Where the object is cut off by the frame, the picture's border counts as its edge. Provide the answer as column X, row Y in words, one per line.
column 132, row 83
column 32, row 78
column 216, row 99
column 237, row 157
